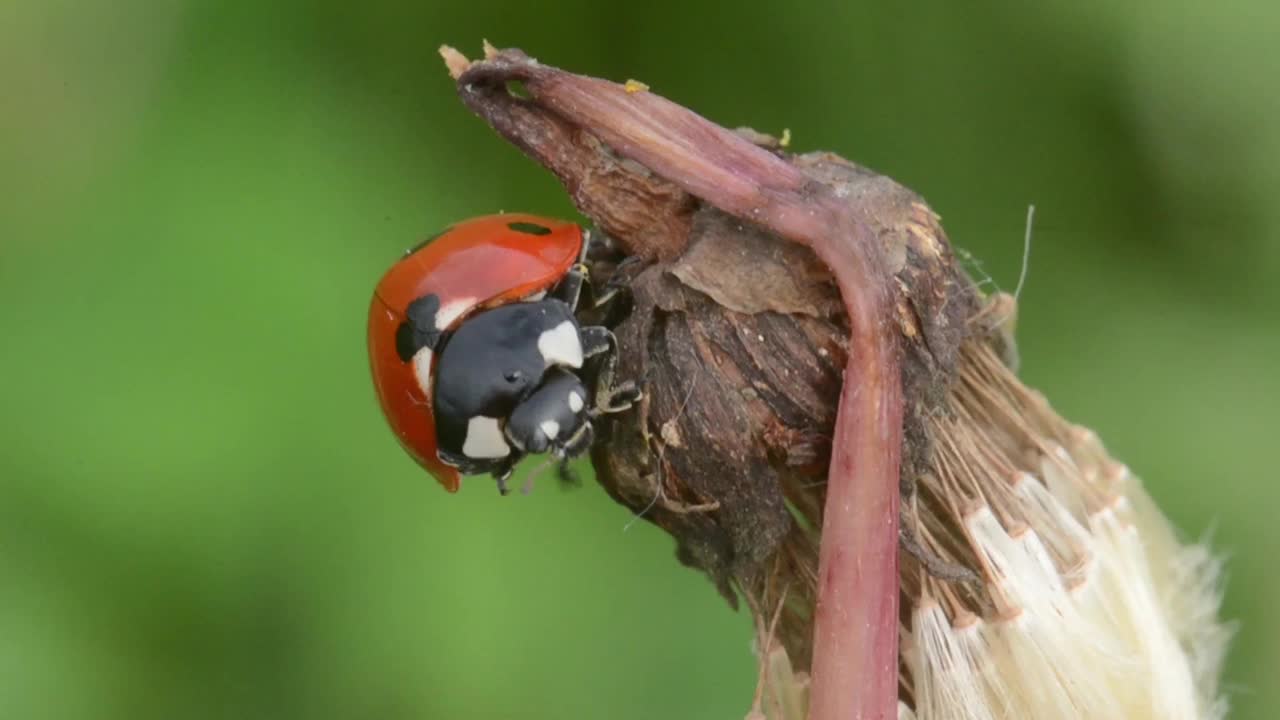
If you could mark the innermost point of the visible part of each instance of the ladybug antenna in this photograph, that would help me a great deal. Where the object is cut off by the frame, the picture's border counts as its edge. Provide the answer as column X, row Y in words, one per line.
column 534, row 474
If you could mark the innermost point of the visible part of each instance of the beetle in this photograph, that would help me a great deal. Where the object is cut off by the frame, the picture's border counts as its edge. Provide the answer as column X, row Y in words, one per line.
column 477, row 355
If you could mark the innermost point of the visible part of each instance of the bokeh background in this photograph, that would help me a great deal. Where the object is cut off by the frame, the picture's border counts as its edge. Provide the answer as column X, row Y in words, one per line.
column 201, row 512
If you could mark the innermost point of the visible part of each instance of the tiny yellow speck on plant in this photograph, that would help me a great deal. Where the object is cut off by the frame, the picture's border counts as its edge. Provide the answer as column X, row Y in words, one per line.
column 635, row 86
column 785, row 140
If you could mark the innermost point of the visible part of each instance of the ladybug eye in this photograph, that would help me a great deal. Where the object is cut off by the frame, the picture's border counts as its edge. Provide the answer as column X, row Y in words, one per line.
column 514, row 376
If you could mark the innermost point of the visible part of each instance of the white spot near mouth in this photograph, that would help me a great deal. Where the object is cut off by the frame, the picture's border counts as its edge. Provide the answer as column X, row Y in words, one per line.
column 422, row 370
column 451, row 311
column 561, row 346
column 550, row 428
column 484, row 439
column 575, row 402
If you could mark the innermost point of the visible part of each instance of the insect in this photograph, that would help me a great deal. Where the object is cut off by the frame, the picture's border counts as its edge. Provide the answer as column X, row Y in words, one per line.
column 477, row 354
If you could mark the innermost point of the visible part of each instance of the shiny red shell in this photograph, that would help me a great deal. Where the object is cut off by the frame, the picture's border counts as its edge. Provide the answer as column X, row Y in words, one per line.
column 479, row 263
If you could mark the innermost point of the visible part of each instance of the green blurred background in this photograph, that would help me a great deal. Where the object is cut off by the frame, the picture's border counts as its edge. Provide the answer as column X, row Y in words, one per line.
column 202, row 514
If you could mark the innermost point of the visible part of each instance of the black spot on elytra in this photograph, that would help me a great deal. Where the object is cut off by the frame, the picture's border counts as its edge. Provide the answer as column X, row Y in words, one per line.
column 419, row 329
column 426, row 242
column 530, row 228
column 404, row 342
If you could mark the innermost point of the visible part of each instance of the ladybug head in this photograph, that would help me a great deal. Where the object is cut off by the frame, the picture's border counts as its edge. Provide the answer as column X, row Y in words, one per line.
column 552, row 417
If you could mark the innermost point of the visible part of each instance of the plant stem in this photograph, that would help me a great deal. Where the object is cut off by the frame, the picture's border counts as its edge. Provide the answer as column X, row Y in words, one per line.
column 855, row 663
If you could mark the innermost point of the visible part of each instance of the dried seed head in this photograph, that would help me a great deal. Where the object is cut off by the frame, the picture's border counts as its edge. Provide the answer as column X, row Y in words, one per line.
column 1089, row 606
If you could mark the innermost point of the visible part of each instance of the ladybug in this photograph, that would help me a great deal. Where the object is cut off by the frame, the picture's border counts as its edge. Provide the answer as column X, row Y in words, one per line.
column 477, row 354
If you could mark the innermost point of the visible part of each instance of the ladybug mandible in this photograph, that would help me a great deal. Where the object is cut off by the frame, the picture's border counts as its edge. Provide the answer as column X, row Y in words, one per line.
column 477, row 355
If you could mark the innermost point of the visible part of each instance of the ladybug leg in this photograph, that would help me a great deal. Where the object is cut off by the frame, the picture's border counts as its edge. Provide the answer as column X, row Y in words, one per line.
column 617, row 398
column 597, row 340
column 566, row 475
column 599, row 248
column 618, row 282
column 610, row 397
column 574, row 446
column 500, row 470
column 577, row 443
column 502, row 473
column 569, row 289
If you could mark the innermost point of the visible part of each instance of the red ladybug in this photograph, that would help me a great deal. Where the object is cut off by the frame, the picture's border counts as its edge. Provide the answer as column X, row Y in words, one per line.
column 477, row 355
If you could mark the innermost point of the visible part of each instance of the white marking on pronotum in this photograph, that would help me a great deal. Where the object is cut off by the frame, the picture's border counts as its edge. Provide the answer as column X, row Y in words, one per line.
column 451, row 311
column 422, row 370
column 575, row 402
column 550, row 428
column 561, row 346
column 484, row 439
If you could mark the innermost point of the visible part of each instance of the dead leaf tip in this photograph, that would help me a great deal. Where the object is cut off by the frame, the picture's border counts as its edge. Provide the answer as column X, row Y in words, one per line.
column 456, row 62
